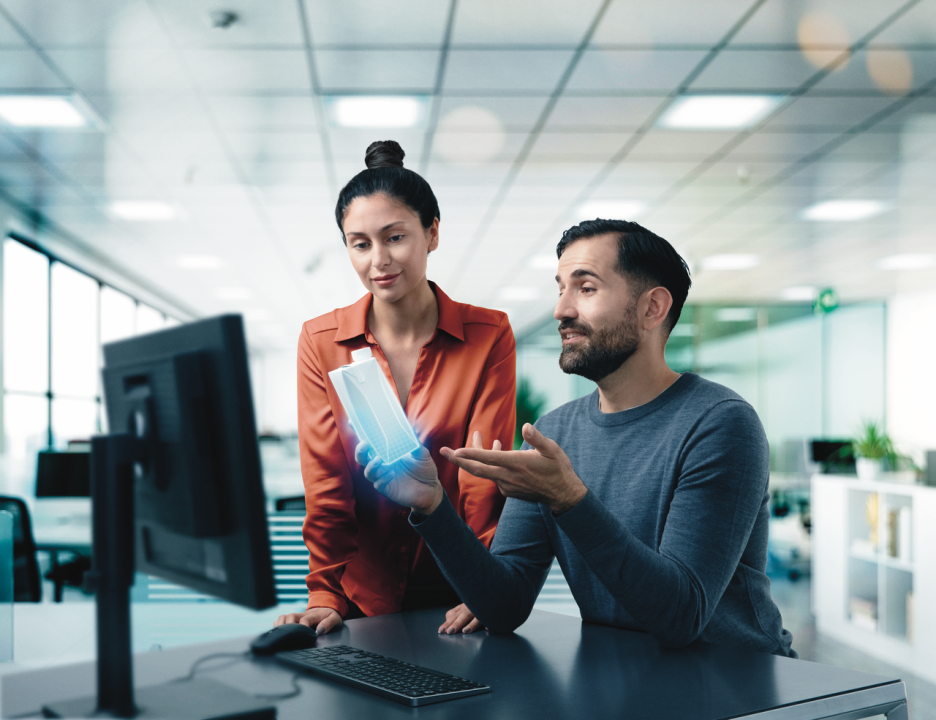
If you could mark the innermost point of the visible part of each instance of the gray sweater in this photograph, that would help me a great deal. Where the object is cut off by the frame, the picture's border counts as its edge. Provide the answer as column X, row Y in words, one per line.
column 671, row 538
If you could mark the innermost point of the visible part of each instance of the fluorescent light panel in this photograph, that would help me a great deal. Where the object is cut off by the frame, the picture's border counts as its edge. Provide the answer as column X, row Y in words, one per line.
column 799, row 293
column 377, row 111
column 717, row 112
column 742, row 314
column 233, row 293
column 51, row 111
column 544, row 261
column 731, row 261
column 844, row 210
column 142, row 210
column 907, row 261
column 610, row 209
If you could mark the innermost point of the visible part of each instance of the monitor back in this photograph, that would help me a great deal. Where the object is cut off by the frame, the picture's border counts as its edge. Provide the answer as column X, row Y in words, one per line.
column 63, row 474
column 200, row 517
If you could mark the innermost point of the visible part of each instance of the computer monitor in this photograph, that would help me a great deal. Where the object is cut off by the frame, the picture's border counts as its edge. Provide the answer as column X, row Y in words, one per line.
column 63, row 474
column 176, row 492
column 835, row 456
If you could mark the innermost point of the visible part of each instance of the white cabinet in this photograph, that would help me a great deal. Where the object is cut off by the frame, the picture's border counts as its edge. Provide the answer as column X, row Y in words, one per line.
column 874, row 568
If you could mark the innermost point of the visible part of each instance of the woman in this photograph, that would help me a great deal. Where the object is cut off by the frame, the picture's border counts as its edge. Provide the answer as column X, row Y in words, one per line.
column 453, row 368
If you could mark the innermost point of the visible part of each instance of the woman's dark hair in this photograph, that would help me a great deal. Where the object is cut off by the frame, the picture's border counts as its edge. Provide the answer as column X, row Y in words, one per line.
column 386, row 175
column 644, row 258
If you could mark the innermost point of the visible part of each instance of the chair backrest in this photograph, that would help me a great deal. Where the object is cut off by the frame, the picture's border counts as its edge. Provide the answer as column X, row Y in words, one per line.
column 27, row 586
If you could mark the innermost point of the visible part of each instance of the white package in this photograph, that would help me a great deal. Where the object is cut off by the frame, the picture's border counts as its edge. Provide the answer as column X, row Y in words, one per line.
column 372, row 407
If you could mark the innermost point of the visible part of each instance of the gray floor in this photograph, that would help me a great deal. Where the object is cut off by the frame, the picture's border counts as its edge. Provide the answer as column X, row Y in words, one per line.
column 793, row 600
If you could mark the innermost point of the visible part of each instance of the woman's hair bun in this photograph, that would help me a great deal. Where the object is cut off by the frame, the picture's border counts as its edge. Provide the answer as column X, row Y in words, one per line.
column 384, row 153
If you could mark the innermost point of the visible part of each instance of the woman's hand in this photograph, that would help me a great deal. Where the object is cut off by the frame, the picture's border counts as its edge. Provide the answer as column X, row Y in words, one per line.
column 324, row 620
column 411, row 481
column 459, row 619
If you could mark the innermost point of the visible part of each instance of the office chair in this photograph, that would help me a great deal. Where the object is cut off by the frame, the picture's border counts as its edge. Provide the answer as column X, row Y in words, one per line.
column 26, row 583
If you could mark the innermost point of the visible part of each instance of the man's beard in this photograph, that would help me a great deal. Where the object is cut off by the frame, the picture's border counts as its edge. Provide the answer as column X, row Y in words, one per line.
column 603, row 351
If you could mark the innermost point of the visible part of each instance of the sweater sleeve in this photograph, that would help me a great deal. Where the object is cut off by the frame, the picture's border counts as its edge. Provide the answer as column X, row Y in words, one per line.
column 494, row 414
column 672, row 593
column 499, row 586
column 330, row 529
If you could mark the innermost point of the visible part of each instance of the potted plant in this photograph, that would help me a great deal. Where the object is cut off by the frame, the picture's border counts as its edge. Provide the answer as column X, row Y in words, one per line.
column 872, row 447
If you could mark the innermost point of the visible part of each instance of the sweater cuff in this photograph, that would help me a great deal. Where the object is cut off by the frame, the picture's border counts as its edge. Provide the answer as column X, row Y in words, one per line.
column 431, row 525
column 589, row 524
column 327, row 600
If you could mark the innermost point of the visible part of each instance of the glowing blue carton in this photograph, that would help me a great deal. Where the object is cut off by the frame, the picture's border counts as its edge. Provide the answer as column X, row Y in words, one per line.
column 372, row 407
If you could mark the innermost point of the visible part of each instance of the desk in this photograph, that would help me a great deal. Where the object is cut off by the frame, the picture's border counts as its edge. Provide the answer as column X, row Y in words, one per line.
column 554, row 666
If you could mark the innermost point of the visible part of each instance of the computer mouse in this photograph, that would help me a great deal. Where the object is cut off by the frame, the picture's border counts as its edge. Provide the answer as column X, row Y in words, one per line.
column 291, row 636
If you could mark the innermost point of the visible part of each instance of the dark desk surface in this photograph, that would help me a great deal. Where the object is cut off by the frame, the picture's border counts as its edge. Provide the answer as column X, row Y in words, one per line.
column 554, row 666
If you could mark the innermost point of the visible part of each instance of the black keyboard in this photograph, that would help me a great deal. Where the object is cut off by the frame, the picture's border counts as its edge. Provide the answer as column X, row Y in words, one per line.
column 395, row 680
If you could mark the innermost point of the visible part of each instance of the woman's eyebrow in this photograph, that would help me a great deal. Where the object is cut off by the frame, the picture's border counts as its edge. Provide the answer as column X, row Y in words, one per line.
column 383, row 229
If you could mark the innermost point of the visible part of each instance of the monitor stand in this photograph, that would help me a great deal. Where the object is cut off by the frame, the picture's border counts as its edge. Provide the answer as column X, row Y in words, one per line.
column 111, row 577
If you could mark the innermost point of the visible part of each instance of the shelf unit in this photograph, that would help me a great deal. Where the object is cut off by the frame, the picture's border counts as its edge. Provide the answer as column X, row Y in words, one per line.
column 875, row 588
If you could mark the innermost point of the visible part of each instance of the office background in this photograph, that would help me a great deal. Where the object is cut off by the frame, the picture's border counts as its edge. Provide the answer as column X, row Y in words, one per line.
column 185, row 157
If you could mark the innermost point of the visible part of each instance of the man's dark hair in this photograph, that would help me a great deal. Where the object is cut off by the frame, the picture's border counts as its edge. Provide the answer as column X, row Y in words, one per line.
column 386, row 175
column 644, row 259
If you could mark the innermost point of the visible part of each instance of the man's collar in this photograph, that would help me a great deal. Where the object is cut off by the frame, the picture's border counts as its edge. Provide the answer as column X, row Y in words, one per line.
column 352, row 320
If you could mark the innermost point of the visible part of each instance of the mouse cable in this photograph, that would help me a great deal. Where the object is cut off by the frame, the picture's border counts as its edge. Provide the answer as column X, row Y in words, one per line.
column 234, row 658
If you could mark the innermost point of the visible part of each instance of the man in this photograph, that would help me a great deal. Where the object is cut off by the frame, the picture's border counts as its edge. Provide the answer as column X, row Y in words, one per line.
column 651, row 492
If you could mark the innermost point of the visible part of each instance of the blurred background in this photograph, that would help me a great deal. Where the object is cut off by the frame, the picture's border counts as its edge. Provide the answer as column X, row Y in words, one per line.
column 167, row 160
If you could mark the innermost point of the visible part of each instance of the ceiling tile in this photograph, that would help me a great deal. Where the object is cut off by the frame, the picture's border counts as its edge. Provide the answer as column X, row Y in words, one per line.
column 633, row 70
column 272, row 23
column 777, row 20
column 25, row 69
column 246, row 71
column 765, row 71
column 681, row 144
column 268, row 113
column 493, row 70
column 515, row 113
column 573, row 147
column 495, row 21
column 384, row 22
column 377, row 70
column 112, row 70
column 825, row 114
column 616, row 113
column 666, row 22
column 60, row 23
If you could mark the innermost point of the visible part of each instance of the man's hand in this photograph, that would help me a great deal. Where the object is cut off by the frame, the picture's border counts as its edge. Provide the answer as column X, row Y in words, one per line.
column 543, row 474
column 324, row 620
column 411, row 481
column 459, row 619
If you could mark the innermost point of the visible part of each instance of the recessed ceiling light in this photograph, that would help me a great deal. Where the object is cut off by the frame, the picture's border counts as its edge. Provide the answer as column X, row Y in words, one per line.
column 715, row 112
column 731, row 261
column 519, row 293
column 233, row 293
column 199, row 262
column 744, row 314
column 388, row 111
column 52, row 111
column 544, row 261
column 799, row 293
column 907, row 261
column 142, row 210
column 610, row 209
column 844, row 210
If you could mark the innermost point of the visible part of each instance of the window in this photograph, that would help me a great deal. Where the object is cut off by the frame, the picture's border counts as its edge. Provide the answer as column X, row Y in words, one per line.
column 55, row 320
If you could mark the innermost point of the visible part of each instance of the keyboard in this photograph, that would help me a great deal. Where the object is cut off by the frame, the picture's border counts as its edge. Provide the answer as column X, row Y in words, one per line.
column 395, row 680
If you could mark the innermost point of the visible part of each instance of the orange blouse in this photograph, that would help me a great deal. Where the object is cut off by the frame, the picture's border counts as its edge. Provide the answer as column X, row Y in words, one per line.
column 361, row 546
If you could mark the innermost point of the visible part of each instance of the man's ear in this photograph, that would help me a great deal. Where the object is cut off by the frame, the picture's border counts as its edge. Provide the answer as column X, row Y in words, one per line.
column 655, row 306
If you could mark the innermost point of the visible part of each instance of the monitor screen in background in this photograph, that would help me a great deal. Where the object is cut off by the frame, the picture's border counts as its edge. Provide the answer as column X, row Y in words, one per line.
column 63, row 474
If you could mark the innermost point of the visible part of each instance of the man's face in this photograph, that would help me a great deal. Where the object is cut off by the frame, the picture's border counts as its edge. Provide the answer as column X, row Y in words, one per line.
column 597, row 310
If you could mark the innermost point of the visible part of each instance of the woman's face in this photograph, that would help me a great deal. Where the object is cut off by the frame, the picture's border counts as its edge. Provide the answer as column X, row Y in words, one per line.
column 388, row 245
